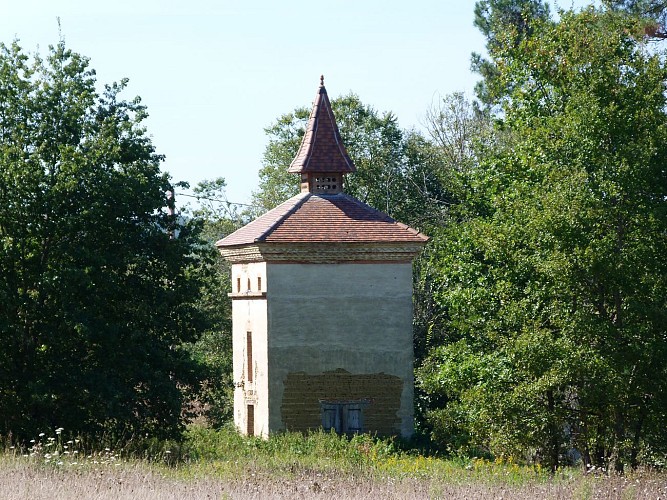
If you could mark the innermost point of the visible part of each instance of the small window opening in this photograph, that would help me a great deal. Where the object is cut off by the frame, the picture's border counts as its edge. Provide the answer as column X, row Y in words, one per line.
column 343, row 417
column 250, row 424
column 248, row 284
column 259, row 283
column 238, row 285
column 249, row 354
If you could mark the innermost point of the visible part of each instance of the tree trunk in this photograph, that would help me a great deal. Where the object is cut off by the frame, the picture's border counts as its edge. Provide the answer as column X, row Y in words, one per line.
column 619, row 435
column 636, row 439
column 553, row 431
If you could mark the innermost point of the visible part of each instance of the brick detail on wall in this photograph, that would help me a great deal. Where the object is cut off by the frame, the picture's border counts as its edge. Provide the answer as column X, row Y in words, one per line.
column 303, row 392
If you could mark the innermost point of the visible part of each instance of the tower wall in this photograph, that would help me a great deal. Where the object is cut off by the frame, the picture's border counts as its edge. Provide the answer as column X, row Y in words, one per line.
column 340, row 333
column 250, row 352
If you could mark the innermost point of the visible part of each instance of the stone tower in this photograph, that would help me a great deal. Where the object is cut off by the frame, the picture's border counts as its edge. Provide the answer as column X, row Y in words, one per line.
column 322, row 304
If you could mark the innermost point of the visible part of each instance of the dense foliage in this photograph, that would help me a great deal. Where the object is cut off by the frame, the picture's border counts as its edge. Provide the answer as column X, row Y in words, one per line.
column 653, row 14
column 213, row 349
column 554, row 280
column 97, row 289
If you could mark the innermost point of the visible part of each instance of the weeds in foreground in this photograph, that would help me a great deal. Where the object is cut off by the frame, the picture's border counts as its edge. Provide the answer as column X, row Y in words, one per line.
column 224, row 452
column 290, row 465
column 63, row 450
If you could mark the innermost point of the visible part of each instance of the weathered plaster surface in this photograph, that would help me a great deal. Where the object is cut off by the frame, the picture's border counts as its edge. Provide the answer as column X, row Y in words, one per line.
column 326, row 317
column 381, row 393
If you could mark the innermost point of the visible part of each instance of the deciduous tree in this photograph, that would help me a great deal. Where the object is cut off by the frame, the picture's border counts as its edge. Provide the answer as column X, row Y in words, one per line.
column 96, row 289
column 213, row 349
column 554, row 282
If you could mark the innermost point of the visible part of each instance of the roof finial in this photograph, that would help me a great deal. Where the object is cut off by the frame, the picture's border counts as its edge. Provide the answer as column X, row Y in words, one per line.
column 321, row 80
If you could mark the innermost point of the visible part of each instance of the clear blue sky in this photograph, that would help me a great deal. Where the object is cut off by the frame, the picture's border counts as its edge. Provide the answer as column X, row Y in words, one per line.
column 214, row 73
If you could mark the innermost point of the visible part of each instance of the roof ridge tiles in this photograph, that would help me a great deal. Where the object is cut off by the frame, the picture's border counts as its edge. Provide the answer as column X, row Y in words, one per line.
column 255, row 232
column 367, row 206
column 279, row 220
column 327, row 218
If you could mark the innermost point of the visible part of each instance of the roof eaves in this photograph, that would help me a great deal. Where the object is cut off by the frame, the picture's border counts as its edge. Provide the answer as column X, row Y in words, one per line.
column 247, row 235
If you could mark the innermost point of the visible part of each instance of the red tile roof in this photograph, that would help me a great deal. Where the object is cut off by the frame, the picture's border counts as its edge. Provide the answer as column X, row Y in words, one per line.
column 263, row 224
column 309, row 218
column 328, row 219
column 322, row 149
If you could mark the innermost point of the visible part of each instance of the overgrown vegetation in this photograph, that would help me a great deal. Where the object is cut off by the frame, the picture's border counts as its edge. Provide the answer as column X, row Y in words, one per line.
column 296, row 466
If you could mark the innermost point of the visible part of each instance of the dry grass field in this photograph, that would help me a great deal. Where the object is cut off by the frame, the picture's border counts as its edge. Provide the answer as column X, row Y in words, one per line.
column 25, row 480
column 221, row 464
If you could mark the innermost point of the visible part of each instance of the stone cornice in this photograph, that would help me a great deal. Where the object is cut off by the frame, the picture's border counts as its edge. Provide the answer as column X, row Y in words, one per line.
column 322, row 253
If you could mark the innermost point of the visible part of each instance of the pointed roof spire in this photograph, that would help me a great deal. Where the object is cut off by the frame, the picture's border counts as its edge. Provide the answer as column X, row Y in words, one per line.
column 322, row 149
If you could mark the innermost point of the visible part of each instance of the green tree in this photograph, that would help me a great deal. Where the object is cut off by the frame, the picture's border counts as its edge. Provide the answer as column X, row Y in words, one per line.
column 653, row 11
column 504, row 23
column 213, row 349
column 459, row 133
column 554, row 281
column 96, row 286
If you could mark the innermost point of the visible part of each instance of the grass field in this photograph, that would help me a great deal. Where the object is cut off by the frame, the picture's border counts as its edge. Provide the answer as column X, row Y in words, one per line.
column 222, row 464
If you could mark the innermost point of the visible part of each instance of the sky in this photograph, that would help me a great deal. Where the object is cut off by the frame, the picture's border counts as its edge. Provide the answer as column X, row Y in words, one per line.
column 214, row 73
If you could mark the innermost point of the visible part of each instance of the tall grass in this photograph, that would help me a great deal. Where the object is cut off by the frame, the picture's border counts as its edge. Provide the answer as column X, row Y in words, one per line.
column 285, row 452
column 289, row 465
column 225, row 451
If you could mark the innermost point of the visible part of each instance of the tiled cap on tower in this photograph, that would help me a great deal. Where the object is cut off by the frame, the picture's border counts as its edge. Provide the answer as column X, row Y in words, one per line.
column 322, row 159
column 322, row 223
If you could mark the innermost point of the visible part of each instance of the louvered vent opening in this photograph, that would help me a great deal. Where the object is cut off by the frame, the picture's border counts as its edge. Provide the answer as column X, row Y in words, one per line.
column 326, row 184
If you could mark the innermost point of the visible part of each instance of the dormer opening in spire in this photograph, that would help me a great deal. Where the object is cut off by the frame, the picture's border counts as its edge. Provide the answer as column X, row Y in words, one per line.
column 322, row 159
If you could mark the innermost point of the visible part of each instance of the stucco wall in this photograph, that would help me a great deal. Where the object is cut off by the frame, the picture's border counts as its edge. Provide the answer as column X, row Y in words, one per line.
column 249, row 313
column 352, row 317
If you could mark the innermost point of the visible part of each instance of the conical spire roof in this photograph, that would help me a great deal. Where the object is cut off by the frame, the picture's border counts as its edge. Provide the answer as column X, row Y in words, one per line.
column 322, row 149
